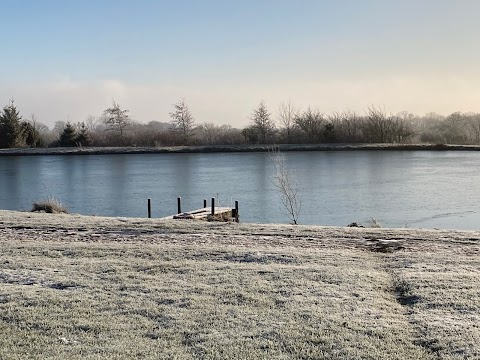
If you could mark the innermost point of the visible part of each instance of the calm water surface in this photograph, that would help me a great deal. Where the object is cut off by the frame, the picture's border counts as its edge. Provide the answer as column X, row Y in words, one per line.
column 413, row 189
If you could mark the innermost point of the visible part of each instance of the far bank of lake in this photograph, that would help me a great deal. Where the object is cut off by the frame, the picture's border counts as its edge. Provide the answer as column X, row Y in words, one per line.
column 205, row 149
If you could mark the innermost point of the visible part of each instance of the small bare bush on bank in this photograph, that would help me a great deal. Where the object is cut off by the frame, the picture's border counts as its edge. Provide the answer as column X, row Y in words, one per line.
column 286, row 183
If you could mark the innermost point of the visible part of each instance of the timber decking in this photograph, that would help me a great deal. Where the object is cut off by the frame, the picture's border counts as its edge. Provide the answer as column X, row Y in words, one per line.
column 221, row 213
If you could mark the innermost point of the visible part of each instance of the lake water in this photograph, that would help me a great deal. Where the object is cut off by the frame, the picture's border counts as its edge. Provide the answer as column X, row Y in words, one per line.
column 418, row 189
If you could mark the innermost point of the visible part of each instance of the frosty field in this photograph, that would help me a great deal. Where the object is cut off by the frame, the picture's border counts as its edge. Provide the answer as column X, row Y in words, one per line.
column 83, row 287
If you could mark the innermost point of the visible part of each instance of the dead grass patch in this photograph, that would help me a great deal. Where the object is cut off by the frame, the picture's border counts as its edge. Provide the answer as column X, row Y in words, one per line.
column 51, row 206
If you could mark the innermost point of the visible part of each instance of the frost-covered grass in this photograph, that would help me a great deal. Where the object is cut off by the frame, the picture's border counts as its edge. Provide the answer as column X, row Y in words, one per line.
column 81, row 287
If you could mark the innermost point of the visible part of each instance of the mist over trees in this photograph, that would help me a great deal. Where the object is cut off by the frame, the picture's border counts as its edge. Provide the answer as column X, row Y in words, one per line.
column 287, row 125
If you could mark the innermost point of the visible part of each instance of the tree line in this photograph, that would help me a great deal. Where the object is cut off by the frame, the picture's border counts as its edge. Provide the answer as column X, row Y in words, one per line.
column 288, row 125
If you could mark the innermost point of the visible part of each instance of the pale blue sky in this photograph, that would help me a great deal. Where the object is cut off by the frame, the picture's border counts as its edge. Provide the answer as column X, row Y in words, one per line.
column 67, row 59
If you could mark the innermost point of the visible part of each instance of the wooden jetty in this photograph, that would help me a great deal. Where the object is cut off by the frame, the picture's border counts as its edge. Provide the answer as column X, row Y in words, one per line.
column 220, row 214
column 211, row 213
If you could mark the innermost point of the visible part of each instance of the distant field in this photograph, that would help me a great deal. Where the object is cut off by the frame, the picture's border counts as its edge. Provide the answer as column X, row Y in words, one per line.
column 77, row 287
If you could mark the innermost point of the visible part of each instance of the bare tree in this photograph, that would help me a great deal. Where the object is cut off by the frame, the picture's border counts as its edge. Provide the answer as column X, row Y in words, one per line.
column 183, row 121
column 262, row 123
column 286, row 183
column 209, row 133
column 33, row 121
column 402, row 127
column 45, row 135
column 311, row 123
column 429, row 126
column 286, row 117
column 94, row 123
column 474, row 124
column 375, row 126
column 116, row 118
column 451, row 130
column 58, row 127
column 351, row 126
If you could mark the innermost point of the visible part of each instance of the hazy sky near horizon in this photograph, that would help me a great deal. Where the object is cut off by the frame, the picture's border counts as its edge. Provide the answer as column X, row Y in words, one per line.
column 64, row 60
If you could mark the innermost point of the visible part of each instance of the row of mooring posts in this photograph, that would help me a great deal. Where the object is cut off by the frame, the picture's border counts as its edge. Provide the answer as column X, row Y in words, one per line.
column 235, row 212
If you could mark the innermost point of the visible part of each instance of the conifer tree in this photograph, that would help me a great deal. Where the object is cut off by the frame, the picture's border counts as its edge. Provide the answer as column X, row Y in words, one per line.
column 10, row 127
column 31, row 135
column 69, row 136
column 84, row 137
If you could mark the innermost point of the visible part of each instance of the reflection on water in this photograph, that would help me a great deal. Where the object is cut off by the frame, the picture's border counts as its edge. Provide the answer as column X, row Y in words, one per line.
column 415, row 189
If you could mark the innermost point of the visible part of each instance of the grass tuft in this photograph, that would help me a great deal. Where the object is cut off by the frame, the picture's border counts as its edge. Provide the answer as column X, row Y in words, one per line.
column 51, row 205
column 374, row 223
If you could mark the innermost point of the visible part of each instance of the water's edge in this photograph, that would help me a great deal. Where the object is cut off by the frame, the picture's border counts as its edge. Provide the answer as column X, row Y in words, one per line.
column 233, row 148
column 19, row 220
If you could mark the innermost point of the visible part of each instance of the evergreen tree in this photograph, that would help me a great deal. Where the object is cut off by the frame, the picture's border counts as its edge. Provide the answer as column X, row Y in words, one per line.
column 31, row 135
column 329, row 135
column 84, row 137
column 69, row 136
column 10, row 127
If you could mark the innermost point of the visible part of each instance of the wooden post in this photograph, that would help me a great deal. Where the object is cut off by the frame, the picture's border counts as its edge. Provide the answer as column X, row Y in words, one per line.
column 179, row 205
column 236, row 212
column 204, row 203
column 149, row 208
column 213, row 206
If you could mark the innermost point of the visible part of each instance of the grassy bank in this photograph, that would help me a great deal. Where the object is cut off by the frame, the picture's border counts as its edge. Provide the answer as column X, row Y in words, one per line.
column 231, row 148
column 89, row 287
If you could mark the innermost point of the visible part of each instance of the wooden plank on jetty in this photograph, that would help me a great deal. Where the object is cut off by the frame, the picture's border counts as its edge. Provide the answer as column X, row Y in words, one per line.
column 220, row 214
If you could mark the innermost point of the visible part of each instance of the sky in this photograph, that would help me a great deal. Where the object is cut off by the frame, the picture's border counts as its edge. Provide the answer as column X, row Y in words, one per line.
column 64, row 60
